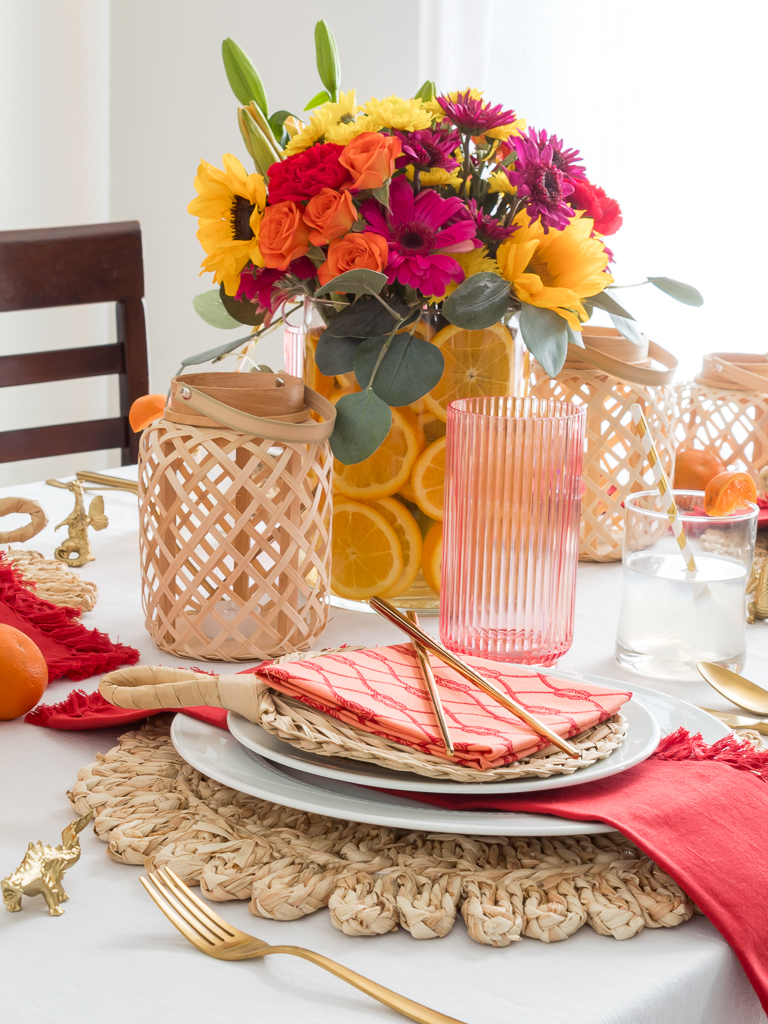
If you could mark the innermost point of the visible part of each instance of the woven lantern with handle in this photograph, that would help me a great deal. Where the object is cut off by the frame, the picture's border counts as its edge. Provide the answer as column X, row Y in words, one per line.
column 608, row 375
column 726, row 408
column 235, row 517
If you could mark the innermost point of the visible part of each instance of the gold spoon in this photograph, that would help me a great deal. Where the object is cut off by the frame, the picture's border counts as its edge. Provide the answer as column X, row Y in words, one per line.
column 736, row 688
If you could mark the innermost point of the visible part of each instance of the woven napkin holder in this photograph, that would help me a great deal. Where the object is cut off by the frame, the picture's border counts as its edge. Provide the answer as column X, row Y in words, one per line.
column 608, row 376
column 725, row 407
column 235, row 517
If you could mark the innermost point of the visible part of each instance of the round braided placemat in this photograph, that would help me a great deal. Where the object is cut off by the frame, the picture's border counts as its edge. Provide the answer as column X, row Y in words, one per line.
column 154, row 809
column 53, row 581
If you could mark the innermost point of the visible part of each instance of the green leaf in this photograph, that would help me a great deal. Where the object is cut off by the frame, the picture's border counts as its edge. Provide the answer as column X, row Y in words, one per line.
column 336, row 355
column 545, row 334
column 213, row 353
column 243, row 311
column 604, row 301
column 574, row 337
column 210, row 308
column 321, row 97
column 358, row 282
column 243, row 76
column 426, row 92
column 410, row 368
column 327, row 55
column 362, row 423
column 478, row 302
column 277, row 121
column 628, row 328
column 382, row 194
column 366, row 318
column 677, row 290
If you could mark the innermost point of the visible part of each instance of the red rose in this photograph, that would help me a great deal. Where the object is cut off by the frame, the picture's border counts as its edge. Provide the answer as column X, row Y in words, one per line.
column 303, row 175
column 604, row 211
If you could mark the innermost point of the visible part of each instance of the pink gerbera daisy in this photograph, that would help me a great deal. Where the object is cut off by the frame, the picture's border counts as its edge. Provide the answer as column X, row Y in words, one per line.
column 543, row 184
column 419, row 236
column 472, row 116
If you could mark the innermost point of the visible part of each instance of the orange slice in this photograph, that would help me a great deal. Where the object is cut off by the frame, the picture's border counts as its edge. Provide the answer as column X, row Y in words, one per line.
column 409, row 535
column 428, row 479
column 367, row 556
column 144, row 410
column 694, row 468
column 727, row 492
column 383, row 473
column 431, row 556
column 476, row 363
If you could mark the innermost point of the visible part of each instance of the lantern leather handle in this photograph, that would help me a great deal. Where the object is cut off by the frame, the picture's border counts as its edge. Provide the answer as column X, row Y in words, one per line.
column 629, row 372
column 727, row 370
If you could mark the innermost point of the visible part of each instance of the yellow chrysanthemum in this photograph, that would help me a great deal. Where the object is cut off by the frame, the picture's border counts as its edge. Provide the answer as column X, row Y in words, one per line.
column 230, row 205
column 555, row 270
column 343, row 133
column 499, row 182
column 322, row 122
column 435, row 176
column 475, row 261
column 505, row 131
column 395, row 112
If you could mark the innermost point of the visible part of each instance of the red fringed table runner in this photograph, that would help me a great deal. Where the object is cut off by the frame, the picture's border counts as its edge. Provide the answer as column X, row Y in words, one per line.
column 68, row 647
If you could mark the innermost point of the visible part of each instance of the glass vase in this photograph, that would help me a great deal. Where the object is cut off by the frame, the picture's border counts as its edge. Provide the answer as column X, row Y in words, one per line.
column 512, row 503
column 388, row 509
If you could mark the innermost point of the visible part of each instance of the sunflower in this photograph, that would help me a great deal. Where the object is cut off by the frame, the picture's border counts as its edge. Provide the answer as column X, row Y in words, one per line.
column 322, row 123
column 499, row 182
column 555, row 270
column 475, row 261
column 229, row 205
column 395, row 112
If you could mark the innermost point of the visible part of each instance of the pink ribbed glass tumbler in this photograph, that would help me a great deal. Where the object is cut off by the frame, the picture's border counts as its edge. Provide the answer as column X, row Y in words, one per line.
column 511, row 528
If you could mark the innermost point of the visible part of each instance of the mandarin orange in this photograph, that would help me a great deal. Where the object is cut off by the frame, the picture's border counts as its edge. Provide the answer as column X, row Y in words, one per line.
column 144, row 410
column 23, row 673
column 695, row 467
column 727, row 492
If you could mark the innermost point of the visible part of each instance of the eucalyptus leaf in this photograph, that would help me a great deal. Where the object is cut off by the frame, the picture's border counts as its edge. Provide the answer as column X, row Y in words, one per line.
column 210, row 308
column 277, row 121
column 243, row 311
column 362, row 423
column 243, row 76
column 336, row 355
column 358, row 282
column 321, row 97
column 213, row 353
column 382, row 194
column 545, row 334
column 327, row 55
column 604, row 301
column 677, row 290
column 427, row 92
column 574, row 337
column 628, row 328
column 366, row 318
column 410, row 368
column 478, row 302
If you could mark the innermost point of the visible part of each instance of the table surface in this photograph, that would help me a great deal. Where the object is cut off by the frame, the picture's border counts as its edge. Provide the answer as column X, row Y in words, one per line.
column 113, row 956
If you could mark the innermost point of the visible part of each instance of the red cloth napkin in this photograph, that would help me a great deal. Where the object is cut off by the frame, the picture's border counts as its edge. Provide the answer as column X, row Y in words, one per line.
column 91, row 711
column 691, row 809
column 68, row 647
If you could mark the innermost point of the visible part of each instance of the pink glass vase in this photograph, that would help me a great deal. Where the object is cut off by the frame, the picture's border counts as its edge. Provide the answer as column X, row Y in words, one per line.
column 511, row 529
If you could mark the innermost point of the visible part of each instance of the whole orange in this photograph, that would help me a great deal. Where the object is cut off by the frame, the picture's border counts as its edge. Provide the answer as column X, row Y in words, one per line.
column 694, row 468
column 23, row 673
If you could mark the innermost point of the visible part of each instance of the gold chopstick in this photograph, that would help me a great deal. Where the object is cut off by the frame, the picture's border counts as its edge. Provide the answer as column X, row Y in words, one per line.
column 116, row 482
column 396, row 617
column 429, row 679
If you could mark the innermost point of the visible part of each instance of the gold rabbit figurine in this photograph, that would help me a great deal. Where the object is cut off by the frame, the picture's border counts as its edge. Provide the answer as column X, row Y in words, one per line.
column 76, row 550
column 39, row 874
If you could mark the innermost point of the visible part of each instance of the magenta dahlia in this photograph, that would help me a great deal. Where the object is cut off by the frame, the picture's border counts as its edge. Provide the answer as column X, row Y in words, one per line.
column 429, row 148
column 567, row 161
column 489, row 231
column 472, row 116
column 420, row 235
column 261, row 285
column 543, row 184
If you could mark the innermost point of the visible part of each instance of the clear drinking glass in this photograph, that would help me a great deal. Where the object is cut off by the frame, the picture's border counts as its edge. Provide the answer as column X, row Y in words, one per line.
column 511, row 530
column 670, row 617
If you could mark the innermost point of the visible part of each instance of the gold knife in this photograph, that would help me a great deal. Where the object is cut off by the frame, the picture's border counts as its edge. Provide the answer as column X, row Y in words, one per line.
column 740, row 721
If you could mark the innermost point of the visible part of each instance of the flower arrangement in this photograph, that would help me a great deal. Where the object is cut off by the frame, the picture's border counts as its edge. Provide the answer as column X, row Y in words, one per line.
column 392, row 205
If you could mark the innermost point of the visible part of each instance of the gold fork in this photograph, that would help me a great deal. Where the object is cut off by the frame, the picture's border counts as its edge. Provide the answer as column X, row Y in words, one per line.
column 212, row 935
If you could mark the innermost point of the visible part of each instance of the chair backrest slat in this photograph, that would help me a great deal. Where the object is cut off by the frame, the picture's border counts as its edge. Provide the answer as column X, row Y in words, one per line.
column 64, row 439
column 61, row 364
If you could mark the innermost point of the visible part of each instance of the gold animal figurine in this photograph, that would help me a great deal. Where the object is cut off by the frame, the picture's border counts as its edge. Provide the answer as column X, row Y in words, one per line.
column 39, row 874
column 76, row 549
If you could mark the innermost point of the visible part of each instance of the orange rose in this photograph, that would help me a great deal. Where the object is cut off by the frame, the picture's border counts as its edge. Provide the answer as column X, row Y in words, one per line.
column 329, row 214
column 358, row 249
column 370, row 159
column 283, row 236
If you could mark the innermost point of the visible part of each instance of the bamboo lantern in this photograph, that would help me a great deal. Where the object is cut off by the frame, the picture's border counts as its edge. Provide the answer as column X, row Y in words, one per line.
column 608, row 375
column 235, row 517
column 726, row 407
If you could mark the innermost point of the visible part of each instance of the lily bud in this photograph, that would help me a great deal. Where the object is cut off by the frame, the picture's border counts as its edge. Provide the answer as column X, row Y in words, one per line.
column 256, row 142
column 327, row 55
column 243, row 76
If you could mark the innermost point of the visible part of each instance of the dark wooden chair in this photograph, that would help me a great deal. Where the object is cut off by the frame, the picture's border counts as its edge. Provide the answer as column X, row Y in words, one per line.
column 70, row 267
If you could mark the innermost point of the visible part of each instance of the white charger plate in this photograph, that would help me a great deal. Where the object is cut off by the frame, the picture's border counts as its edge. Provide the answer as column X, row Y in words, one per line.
column 642, row 738
column 220, row 756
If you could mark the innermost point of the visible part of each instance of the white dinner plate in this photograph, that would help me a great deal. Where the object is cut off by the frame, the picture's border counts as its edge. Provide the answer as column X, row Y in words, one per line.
column 642, row 738
column 219, row 755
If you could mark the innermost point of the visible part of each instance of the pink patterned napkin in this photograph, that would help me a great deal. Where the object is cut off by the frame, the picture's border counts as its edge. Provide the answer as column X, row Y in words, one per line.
column 381, row 690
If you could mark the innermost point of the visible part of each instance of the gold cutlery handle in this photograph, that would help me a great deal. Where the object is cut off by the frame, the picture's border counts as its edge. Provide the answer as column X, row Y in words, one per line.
column 408, row 1008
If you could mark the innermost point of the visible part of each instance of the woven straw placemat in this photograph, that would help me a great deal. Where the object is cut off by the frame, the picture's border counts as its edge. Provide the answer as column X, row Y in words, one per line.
column 54, row 581
column 154, row 809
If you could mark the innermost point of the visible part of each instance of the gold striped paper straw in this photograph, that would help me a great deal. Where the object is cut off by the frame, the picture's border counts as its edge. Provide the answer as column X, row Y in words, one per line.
column 663, row 485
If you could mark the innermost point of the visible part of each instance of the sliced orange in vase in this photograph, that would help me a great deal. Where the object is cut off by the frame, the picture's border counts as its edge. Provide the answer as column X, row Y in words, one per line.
column 428, row 479
column 432, row 555
column 383, row 473
column 367, row 556
column 729, row 492
column 409, row 535
column 476, row 363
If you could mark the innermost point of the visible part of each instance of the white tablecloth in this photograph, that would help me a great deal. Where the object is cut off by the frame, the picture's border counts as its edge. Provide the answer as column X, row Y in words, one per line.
column 113, row 957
